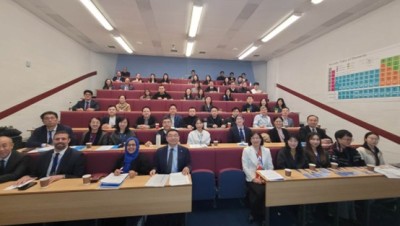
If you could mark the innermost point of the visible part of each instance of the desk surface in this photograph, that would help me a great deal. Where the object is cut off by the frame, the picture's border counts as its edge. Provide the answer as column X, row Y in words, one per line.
column 69, row 199
column 298, row 189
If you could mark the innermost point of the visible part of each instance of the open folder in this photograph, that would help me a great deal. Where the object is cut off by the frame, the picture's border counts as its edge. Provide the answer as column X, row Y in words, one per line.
column 112, row 181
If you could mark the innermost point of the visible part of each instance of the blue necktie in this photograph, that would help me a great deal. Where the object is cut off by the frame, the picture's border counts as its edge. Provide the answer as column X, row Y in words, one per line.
column 54, row 166
column 169, row 162
column 241, row 134
column 50, row 140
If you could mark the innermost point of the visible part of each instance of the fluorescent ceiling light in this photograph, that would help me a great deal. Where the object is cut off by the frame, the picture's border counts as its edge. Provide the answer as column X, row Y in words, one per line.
column 247, row 52
column 189, row 48
column 97, row 14
column 281, row 27
column 123, row 44
column 316, row 2
column 195, row 20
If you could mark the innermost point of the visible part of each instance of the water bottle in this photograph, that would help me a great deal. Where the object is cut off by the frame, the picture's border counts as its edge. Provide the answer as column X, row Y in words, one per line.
column 158, row 140
column 205, row 125
column 218, row 89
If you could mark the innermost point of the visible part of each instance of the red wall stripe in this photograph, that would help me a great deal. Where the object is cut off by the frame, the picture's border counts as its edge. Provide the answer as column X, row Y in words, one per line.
column 367, row 126
column 39, row 97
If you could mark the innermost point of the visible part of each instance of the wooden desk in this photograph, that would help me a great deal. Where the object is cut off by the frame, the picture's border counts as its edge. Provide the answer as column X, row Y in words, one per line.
column 298, row 189
column 69, row 199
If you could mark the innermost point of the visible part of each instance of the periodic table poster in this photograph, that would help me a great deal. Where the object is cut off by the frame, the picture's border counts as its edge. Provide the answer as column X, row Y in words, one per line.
column 366, row 76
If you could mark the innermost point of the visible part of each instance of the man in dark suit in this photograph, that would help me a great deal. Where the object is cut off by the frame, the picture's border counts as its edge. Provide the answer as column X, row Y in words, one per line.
column 118, row 77
column 190, row 121
column 173, row 157
column 13, row 164
column 176, row 120
column 43, row 136
column 146, row 121
column 86, row 104
column 239, row 132
column 249, row 106
column 312, row 126
column 127, row 85
column 111, row 120
column 214, row 120
column 211, row 88
column 59, row 163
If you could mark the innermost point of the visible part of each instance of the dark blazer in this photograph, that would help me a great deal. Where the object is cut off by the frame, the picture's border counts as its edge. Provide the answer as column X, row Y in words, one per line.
column 230, row 119
column 178, row 121
column 211, row 121
column 234, row 137
column 115, row 78
column 227, row 98
column 130, row 87
column 72, row 165
column 162, row 96
column 160, row 159
column 273, row 134
column 189, row 120
column 140, row 121
column 102, row 138
column 115, row 137
column 252, row 107
column 285, row 160
column 105, row 120
column 141, row 164
column 81, row 104
column 304, row 131
column 209, row 89
column 206, row 108
column 17, row 166
column 39, row 136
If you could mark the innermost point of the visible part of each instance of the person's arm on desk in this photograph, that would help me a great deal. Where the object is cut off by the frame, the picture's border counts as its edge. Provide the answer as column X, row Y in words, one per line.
column 152, row 172
column 24, row 179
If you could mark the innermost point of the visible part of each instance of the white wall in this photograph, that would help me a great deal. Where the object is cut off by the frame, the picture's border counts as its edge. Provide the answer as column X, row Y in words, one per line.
column 55, row 59
column 305, row 71
column 260, row 73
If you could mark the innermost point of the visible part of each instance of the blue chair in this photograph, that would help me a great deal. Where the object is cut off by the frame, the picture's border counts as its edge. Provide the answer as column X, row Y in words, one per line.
column 203, row 185
column 231, row 184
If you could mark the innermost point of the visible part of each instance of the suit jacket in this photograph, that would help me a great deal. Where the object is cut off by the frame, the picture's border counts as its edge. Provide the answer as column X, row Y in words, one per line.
column 115, row 137
column 140, row 121
column 129, row 87
column 206, row 108
column 160, row 159
column 234, row 137
column 209, row 89
column 39, row 136
column 102, row 138
column 211, row 121
column 252, row 107
column 17, row 166
column 304, row 131
column 274, row 135
column 115, row 78
column 72, row 165
column 81, row 104
column 189, row 120
column 178, row 121
column 285, row 160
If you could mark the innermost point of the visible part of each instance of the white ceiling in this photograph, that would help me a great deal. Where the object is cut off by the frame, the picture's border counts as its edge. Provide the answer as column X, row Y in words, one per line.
column 227, row 27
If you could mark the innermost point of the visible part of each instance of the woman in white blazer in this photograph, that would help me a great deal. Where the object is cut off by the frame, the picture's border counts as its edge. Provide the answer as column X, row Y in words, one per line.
column 256, row 157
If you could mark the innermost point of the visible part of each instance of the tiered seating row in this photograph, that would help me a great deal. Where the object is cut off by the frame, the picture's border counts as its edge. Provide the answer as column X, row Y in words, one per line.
column 136, row 94
column 81, row 119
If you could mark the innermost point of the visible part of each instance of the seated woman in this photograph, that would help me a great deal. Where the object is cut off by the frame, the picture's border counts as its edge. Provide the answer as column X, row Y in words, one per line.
column 121, row 133
column 138, row 78
column 188, row 94
column 95, row 135
column 226, row 82
column 278, row 133
column 195, row 79
column 369, row 151
column 165, row 79
column 227, row 96
column 146, row 95
column 208, row 80
column 279, row 105
column 256, row 157
column 196, row 87
column 199, row 135
column 108, row 84
column 152, row 78
column 200, row 95
column 292, row 155
column 122, row 105
column 207, row 104
column 264, row 102
column 314, row 152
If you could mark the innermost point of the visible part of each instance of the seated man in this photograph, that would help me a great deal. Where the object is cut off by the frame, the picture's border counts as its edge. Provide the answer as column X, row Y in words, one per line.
column 232, row 87
column 214, row 120
column 59, row 163
column 118, row 77
column 239, row 133
column 190, row 121
column 146, row 121
column 161, row 94
column 232, row 119
column 125, row 73
column 343, row 153
column 110, row 121
column 262, row 120
column 312, row 126
column 256, row 88
column 127, row 85
column 249, row 106
column 287, row 122
column 86, row 104
column 43, row 136
column 221, row 76
column 243, row 88
column 166, row 125
column 13, row 165
column 175, row 119
column 211, row 88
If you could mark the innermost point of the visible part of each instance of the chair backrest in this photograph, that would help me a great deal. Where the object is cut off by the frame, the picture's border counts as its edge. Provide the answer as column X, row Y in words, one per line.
column 203, row 185
column 231, row 184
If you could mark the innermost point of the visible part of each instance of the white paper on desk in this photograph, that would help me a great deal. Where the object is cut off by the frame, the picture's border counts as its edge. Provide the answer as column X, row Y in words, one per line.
column 11, row 187
column 111, row 179
column 42, row 149
column 104, row 148
column 243, row 144
column 198, row 145
column 157, row 180
column 270, row 175
column 178, row 179
column 389, row 171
